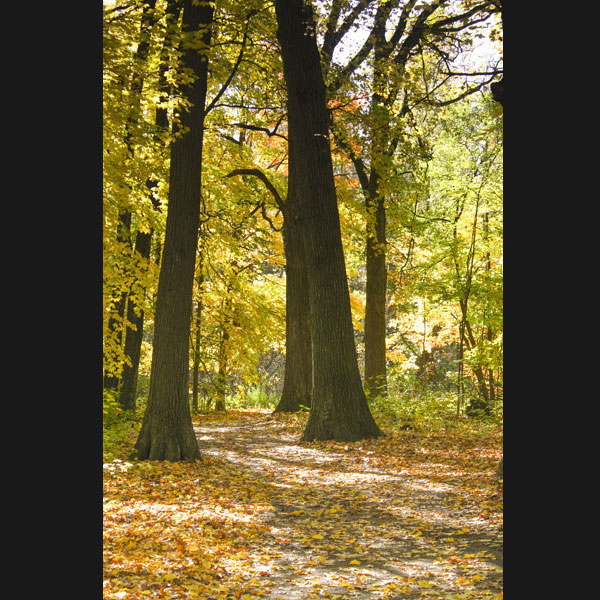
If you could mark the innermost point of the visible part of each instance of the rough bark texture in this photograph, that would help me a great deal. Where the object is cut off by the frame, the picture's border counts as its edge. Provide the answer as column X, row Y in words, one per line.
column 339, row 407
column 167, row 432
column 297, row 378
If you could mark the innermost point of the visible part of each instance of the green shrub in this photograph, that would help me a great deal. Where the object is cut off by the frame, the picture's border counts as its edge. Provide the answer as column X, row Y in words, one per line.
column 256, row 397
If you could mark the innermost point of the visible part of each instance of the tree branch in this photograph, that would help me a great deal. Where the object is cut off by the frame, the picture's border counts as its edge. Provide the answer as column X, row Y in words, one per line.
column 260, row 175
column 264, row 129
column 233, row 71
column 332, row 37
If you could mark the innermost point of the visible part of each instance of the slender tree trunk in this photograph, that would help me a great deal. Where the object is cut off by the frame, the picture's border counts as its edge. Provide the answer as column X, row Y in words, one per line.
column 134, row 335
column 375, row 321
column 143, row 241
column 167, row 432
column 222, row 371
column 223, row 354
column 115, row 323
column 124, row 230
column 297, row 378
column 339, row 408
column 196, row 350
column 381, row 152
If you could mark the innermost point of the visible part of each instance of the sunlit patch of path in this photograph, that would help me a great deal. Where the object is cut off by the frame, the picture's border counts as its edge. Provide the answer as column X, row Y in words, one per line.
column 343, row 524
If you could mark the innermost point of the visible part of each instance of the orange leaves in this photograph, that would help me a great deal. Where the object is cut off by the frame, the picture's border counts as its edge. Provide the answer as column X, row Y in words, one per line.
column 264, row 515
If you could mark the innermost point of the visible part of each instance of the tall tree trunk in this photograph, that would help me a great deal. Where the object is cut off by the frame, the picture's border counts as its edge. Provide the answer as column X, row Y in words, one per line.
column 123, row 232
column 115, row 323
column 134, row 335
column 380, row 160
column 375, row 321
column 222, row 369
column 167, row 432
column 297, row 377
column 143, row 241
column 339, row 408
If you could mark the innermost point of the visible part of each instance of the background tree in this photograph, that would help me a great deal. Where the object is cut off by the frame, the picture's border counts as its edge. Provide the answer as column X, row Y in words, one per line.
column 400, row 36
column 297, row 377
column 143, row 239
column 134, row 74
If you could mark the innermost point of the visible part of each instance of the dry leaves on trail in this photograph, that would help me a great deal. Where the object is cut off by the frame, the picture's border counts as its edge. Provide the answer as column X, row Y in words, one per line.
column 264, row 516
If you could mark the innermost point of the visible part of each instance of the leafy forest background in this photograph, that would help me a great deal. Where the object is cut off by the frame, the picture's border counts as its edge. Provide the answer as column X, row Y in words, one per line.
column 415, row 134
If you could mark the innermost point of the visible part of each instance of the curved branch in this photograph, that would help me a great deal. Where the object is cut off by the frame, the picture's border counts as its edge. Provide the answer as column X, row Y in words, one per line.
column 263, row 129
column 260, row 175
column 233, row 71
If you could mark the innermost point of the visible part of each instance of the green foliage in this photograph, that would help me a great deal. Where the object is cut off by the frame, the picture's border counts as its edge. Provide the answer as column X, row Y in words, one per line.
column 111, row 410
column 118, row 435
column 431, row 410
column 444, row 258
column 254, row 397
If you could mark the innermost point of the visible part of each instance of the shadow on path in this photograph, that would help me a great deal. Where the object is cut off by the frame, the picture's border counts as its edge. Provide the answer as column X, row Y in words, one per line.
column 341, row 525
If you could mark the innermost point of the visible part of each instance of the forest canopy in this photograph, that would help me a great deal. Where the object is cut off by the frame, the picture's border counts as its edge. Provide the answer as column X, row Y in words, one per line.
column 199, row 125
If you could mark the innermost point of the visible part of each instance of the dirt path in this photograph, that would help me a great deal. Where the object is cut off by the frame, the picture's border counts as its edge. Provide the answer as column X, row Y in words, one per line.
column 346, row 521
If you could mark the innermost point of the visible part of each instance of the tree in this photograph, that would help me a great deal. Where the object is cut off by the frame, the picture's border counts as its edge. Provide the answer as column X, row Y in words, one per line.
column 167, row 432
column 297, row 377
column 143, row 239
column 398, row 36
column 117, row 322
column 463, row 228
column 339, row 408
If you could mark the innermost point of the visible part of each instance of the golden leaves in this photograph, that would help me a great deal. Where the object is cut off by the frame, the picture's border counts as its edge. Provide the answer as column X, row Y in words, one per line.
column 253, row 518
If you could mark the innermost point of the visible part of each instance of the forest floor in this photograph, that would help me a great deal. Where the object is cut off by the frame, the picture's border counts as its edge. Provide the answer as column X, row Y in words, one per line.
column 414, row 515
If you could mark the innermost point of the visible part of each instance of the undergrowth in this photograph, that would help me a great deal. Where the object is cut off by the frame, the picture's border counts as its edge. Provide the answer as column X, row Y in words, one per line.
column 425, row 411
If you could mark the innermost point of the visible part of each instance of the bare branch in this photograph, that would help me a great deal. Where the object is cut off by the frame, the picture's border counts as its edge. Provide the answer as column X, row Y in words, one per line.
column 332, row 38
column 233, row 71
column 466, row 93
column 264, row 129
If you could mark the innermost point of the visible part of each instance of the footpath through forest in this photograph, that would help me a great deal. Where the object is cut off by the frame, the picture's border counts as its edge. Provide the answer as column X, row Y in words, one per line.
column 415, row 515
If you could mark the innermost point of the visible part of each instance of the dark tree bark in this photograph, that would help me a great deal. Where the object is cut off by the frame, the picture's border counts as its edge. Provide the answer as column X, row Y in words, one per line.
column 339, row 408
column 167, row 432
column 297, row 377
column 143, row 240
column 375, row 321
column 133, row 336
column 497, row 89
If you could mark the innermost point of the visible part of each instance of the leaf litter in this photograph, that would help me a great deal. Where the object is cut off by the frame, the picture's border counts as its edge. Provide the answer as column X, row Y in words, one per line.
column 411, row 516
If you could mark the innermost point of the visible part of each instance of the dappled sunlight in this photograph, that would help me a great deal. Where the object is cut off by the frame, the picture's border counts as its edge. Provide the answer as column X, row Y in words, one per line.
column 266, row 516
